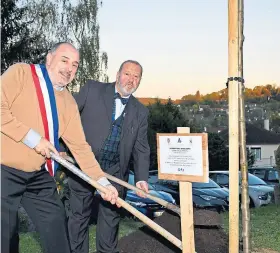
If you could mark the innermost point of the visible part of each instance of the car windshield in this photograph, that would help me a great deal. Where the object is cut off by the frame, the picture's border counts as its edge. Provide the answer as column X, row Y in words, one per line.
column 223, row 179
column 273, row 175
column 211, row 184
column 260, row 173
column 253, row 180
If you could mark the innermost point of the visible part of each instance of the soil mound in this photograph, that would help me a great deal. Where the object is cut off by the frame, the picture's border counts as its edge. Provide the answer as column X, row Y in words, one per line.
column 209, row 236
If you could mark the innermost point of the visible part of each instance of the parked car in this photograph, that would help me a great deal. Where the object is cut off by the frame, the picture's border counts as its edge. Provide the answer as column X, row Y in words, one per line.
column 146, row 205
column 260, row 192
column 268, row 174
column 210, row 195
column 205, row 195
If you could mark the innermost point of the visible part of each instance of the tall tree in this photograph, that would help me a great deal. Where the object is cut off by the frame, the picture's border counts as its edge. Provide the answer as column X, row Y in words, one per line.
column 218, row 152
column 80, row 26
column 18, row 41
column 41, row 23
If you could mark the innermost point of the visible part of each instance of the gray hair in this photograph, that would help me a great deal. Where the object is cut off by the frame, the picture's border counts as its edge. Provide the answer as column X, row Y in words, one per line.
column 57, row 45
column 131, row 61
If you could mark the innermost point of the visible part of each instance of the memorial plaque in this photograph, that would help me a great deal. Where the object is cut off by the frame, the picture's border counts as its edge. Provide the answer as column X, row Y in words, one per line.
column 183, row 157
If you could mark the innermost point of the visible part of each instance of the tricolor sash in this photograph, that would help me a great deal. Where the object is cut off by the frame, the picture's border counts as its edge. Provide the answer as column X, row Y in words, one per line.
column 47, row 104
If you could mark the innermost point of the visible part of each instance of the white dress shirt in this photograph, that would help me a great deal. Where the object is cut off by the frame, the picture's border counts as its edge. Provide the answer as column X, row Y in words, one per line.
column 119, row 106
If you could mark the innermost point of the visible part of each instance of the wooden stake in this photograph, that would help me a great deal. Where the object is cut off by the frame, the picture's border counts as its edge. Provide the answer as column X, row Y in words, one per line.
column 233, row 48
column 243, row 152
column 186, row 205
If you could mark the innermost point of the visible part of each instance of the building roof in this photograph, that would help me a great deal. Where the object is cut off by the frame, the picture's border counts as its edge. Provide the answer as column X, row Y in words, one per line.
column 256, row 135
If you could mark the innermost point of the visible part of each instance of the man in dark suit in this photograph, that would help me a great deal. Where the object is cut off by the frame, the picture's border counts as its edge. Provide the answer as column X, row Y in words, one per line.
column 115, row 125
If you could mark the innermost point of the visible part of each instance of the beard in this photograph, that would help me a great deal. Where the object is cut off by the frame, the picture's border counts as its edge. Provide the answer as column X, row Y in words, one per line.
column 65, row 74
column 127, row 89
column 65, row 78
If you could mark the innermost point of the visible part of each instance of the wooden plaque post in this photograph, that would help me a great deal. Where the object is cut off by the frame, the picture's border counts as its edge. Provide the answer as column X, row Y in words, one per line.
column 186, row 205
column 184, row 157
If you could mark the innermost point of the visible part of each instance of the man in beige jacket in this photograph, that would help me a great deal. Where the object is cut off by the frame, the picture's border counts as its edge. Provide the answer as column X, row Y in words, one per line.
column 30, row 121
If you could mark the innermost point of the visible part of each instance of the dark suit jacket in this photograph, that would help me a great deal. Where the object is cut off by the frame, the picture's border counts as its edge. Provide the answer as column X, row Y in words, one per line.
column 95, row 101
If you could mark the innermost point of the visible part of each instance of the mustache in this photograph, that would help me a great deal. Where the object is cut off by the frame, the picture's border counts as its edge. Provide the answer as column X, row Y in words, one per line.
column 67, row 74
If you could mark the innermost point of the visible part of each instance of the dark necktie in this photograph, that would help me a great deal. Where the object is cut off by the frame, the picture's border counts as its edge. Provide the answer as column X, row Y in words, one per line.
column 123, row 100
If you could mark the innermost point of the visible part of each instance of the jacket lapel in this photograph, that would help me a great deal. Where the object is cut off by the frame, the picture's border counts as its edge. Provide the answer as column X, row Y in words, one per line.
column 108, row 99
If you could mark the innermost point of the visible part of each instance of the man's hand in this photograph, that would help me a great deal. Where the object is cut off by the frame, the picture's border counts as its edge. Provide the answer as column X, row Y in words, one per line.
column 111, row 195
column 143, row 185
column 45, row 147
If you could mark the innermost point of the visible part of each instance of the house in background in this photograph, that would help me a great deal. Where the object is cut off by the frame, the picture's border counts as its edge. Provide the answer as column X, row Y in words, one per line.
column 261, row 142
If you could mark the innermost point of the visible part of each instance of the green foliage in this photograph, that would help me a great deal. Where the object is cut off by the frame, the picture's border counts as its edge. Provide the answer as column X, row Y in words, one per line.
column 218, row 152
column 80, row 26
column 264, row 232
column 164, row 118
column 19, row 42
column 30, row 27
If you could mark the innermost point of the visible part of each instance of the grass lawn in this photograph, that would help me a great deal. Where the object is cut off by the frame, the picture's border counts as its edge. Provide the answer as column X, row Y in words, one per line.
column 30, row 242
column 265, row 229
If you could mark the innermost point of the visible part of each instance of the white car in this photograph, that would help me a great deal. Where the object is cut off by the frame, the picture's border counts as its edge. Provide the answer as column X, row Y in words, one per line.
column 260, row 192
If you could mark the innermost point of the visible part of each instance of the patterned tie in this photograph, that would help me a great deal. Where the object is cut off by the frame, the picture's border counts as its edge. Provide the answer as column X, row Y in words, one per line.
column 123, row 100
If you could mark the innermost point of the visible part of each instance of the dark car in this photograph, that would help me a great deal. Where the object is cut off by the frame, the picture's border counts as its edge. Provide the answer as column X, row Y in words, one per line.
column 146, row 205
column 268, row 174
column 210, row 195
column 205, row 195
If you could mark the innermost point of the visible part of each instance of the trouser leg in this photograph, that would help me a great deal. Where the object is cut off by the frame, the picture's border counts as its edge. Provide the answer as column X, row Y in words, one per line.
column 108, row 224
column 107, row 228
column 81, row 202
column 44, row 207
column 12, row 188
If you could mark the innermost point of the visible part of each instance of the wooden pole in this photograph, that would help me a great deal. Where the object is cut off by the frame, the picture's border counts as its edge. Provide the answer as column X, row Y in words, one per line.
column 233, row 48
column 243, row 152
column 186, row 205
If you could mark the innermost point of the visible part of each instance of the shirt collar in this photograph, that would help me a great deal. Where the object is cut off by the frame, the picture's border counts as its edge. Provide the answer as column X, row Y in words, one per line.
column 58, row 88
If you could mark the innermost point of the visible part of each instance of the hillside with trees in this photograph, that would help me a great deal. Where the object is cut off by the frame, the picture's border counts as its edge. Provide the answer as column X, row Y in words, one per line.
column 257, row 94
column 210, row 111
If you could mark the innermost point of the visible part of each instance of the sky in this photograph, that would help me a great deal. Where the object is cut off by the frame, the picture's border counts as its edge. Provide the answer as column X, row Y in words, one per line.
column 183, row 44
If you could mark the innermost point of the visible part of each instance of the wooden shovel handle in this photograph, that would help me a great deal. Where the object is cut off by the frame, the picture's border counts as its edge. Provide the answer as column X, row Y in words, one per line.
column 120, row 201
column 160, row 201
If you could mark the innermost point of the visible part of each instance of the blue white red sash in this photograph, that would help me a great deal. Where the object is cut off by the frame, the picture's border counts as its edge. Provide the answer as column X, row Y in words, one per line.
column 47, row 104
